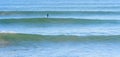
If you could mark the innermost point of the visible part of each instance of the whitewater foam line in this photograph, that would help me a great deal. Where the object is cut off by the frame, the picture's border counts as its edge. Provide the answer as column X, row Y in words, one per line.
column 7, row 32
column 59, row 19
column 56, row 34
column 86, row 11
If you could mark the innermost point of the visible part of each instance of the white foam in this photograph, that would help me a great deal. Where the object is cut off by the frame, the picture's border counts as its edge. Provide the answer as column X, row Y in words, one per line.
column 7, row 32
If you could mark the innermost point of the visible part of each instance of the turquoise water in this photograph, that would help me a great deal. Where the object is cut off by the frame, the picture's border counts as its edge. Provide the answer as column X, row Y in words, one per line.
column 28, row 45
column 73, row 28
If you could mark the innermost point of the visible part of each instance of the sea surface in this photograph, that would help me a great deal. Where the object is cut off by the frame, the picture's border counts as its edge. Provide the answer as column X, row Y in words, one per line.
column 59, row 28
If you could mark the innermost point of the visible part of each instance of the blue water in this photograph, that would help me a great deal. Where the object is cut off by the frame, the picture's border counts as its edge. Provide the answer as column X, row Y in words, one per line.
column 101, row 17
column 67, row 19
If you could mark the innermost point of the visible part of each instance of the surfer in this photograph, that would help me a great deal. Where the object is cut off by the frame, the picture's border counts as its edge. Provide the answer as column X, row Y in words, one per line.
column 47, row 15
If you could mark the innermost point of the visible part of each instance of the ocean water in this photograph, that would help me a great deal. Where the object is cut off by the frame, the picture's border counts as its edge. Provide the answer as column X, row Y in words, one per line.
column 59, row 28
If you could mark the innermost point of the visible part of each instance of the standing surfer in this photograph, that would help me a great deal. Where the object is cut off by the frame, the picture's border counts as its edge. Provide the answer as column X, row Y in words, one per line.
column 47, row 15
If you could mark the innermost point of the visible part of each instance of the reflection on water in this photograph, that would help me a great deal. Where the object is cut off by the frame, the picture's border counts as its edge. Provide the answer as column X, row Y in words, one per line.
column 83, row 49
column 25, row 45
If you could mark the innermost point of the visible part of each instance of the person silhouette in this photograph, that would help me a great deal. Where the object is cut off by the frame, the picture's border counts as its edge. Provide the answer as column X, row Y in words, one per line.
column 47, row 15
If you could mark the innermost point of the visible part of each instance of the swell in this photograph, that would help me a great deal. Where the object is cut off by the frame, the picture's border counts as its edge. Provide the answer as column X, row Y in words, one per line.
column 58, row 20
column 58, row 38
column 61, row 14
column 56, row 12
